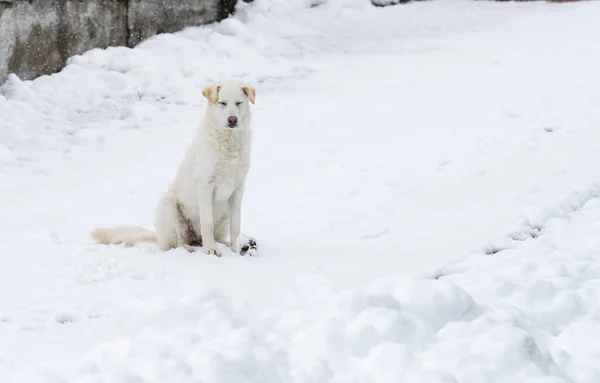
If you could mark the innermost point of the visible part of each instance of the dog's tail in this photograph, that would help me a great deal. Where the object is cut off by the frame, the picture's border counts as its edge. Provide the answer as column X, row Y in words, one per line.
column 127, row 235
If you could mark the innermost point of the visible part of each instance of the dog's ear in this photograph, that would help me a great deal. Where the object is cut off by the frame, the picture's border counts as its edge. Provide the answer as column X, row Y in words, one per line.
column 250, row 92
column 211, row 93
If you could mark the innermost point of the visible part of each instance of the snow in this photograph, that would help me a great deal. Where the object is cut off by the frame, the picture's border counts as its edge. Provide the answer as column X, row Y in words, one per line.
column 383, row 3
column 423, row 189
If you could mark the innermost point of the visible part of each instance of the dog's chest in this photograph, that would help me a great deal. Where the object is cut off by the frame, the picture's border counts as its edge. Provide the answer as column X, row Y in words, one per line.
column 229, row 174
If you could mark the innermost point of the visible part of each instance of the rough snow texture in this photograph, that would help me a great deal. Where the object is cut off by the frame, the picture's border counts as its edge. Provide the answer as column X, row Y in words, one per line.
column 37, row 37
column 384, row 3
column 424, row 188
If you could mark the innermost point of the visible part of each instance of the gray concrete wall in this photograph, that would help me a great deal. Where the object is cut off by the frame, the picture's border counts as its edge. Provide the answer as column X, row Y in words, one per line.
column 150, row 17
column 38, row 36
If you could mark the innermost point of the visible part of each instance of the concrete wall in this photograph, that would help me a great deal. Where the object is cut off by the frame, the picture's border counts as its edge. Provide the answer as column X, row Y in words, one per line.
column 38, row 36
column 150, row 17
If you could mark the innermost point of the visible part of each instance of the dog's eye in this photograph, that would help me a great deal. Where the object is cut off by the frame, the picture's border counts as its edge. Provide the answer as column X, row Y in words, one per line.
column 238, row 103
column 222, row 103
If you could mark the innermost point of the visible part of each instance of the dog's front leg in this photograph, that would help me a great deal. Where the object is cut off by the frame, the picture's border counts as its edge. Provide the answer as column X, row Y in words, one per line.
column 235, row 215
column 207, row 222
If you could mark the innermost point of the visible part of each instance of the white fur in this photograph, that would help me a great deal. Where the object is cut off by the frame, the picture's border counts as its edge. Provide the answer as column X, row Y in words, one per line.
column 205, row 198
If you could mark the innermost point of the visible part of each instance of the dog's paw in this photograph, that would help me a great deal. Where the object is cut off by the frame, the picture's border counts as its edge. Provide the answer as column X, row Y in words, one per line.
column 188, row 248
column 212, row 251
column 249, row 247
column 233, row 246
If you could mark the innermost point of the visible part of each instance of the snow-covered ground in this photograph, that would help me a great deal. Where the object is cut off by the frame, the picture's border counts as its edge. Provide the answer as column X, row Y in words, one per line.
column 424, row 192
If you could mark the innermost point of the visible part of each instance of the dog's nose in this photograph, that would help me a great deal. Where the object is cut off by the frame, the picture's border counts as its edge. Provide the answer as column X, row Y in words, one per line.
column 232, row 120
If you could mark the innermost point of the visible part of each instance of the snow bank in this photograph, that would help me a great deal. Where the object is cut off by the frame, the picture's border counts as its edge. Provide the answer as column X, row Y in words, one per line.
column 527, row 313
column 524, row 314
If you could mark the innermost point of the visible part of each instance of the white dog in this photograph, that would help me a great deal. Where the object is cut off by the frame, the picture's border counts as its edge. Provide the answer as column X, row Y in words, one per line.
column 203, row 206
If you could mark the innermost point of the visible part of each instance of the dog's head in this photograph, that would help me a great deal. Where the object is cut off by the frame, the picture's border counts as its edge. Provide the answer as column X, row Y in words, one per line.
column 228, row 102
